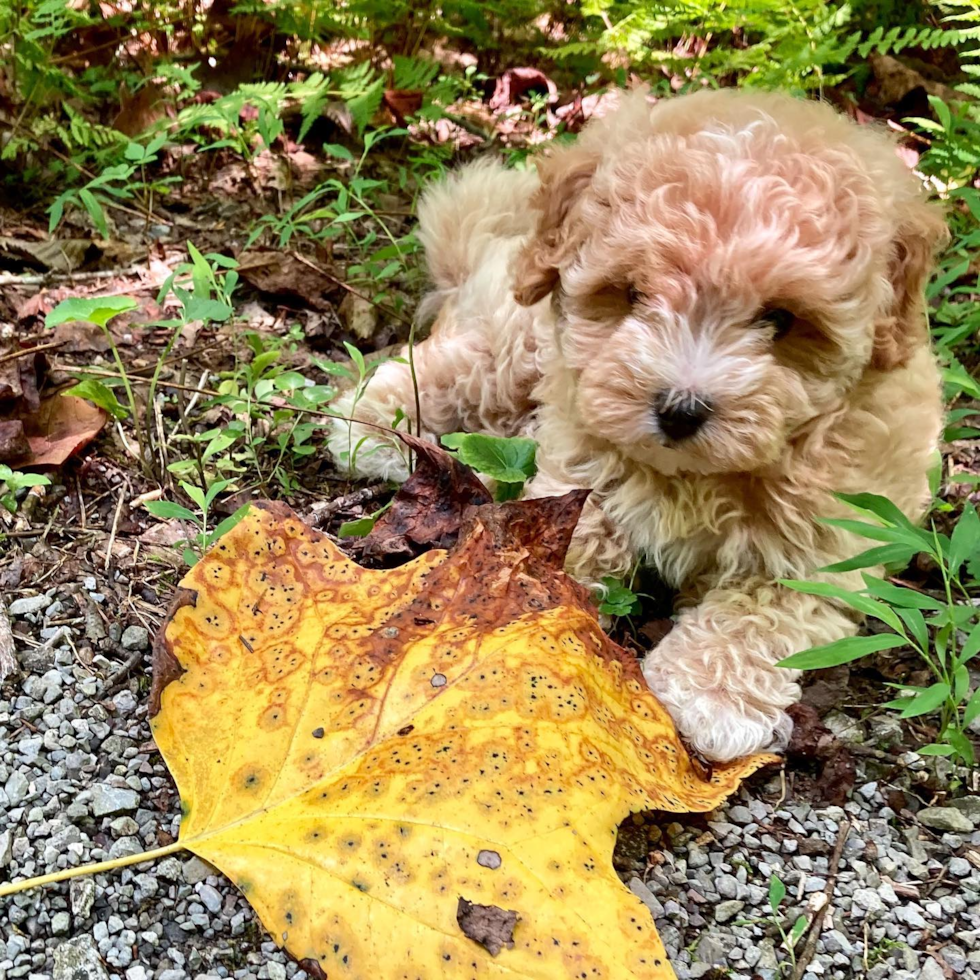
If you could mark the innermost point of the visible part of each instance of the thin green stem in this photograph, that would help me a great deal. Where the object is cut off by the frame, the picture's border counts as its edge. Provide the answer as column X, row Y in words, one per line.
column 129, row 394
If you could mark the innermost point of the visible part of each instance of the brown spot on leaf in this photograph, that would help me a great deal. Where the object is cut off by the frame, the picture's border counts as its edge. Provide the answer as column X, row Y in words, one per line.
column 491, row 927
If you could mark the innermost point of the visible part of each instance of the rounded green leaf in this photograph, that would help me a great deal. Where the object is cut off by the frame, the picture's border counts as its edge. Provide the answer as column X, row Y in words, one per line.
column 99, row 310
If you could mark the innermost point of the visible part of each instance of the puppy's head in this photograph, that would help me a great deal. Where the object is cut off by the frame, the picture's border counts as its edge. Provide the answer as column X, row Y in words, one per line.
column 726, row 268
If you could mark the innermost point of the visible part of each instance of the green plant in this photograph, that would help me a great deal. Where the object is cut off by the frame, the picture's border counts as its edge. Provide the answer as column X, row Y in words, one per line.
column 100, row 311
column 617, row 599
column 777, row 894
column 114, row 184
column 508, row 462
column 203, row 289
column 12, row 481
column 943, row 631
column 270, row 407
column 363, row 526
column 205, row 536
column 776, row 918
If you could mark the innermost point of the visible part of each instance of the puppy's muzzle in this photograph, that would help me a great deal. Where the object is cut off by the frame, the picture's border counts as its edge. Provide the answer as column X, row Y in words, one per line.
column 680, row 416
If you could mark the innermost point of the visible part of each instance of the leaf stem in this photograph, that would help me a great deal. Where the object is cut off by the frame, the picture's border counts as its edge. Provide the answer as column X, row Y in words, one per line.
column 13, row 887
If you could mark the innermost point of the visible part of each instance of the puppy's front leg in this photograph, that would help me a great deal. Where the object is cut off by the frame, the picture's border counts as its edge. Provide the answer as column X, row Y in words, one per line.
column 715, row 671
column 365, row 447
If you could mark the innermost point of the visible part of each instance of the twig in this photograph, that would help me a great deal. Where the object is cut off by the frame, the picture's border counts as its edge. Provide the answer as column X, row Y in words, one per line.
column 81, row 502
column 13, row 279
column 321, row 513
column 816, row 925
column 123, row 489
column 120, row 677
column 14, row 355
column 8, row 663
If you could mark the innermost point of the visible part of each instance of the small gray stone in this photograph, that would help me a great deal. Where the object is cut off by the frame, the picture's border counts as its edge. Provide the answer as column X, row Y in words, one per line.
column 869, row 900
column 107, row 800
column 78, row 959
column 727, row 886
column 170, row 869
column 960, row 867
column 835, row 941
column 28, row 605
column 931, row 970
column 642, row 891
column 724, row 911
column 210, row 897
column 910, row 915
column 124, row 827
column 196, row 870
column 17, row 787
column 946, row 818
column 60, row 923
column 6, row 846
column 135, row 638
column 125, row 847
column 276, row 970
column 969, row 806
column 82, row 894
column 741, row 815
column 714, row 947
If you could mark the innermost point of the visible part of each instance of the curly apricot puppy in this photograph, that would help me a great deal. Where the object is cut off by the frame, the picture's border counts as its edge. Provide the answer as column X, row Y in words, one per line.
column 709, row 311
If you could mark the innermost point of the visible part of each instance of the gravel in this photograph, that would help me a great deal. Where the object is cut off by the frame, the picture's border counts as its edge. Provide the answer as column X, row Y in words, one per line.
column 80, row 781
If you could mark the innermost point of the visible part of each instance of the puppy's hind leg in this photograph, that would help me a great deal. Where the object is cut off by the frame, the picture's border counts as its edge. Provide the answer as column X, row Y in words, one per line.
column 716, row 672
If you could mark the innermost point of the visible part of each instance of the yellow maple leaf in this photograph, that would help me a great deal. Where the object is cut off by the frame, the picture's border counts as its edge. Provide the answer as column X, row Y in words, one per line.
column 361, row 750
column 417, row 773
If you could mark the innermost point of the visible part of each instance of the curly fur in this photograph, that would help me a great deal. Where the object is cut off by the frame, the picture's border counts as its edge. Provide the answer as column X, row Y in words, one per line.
column 635, row 269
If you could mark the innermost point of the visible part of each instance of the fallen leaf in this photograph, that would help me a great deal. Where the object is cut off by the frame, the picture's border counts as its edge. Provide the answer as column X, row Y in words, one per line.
column 80, row 337
column 360, row 316
column 13, row 440
column 427, row 511
column 358, row 750
column 53, row 255
column 281, row 275
column 402, row 103
column 61, row 427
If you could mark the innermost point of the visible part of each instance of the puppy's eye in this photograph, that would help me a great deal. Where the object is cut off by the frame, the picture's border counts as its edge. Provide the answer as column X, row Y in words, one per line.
column 634, row 295
column 779, row 319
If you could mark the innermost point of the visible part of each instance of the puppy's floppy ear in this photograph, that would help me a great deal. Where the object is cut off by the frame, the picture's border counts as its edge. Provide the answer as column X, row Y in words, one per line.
column 901, row 327
column 564, row 176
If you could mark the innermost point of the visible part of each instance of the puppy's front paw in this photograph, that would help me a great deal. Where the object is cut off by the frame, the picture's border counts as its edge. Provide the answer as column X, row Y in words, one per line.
column 364, row 450
column 716, row 725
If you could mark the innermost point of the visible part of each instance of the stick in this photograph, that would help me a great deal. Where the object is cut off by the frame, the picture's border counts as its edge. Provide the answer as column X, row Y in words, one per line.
column 13, row 887
column 8, row 663
column 816, row 926
column 13, row 355
column 319, row 513
column 120, row 677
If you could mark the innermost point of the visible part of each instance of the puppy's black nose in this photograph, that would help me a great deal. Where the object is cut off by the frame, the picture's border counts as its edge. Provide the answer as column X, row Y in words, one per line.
column 680, row 418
